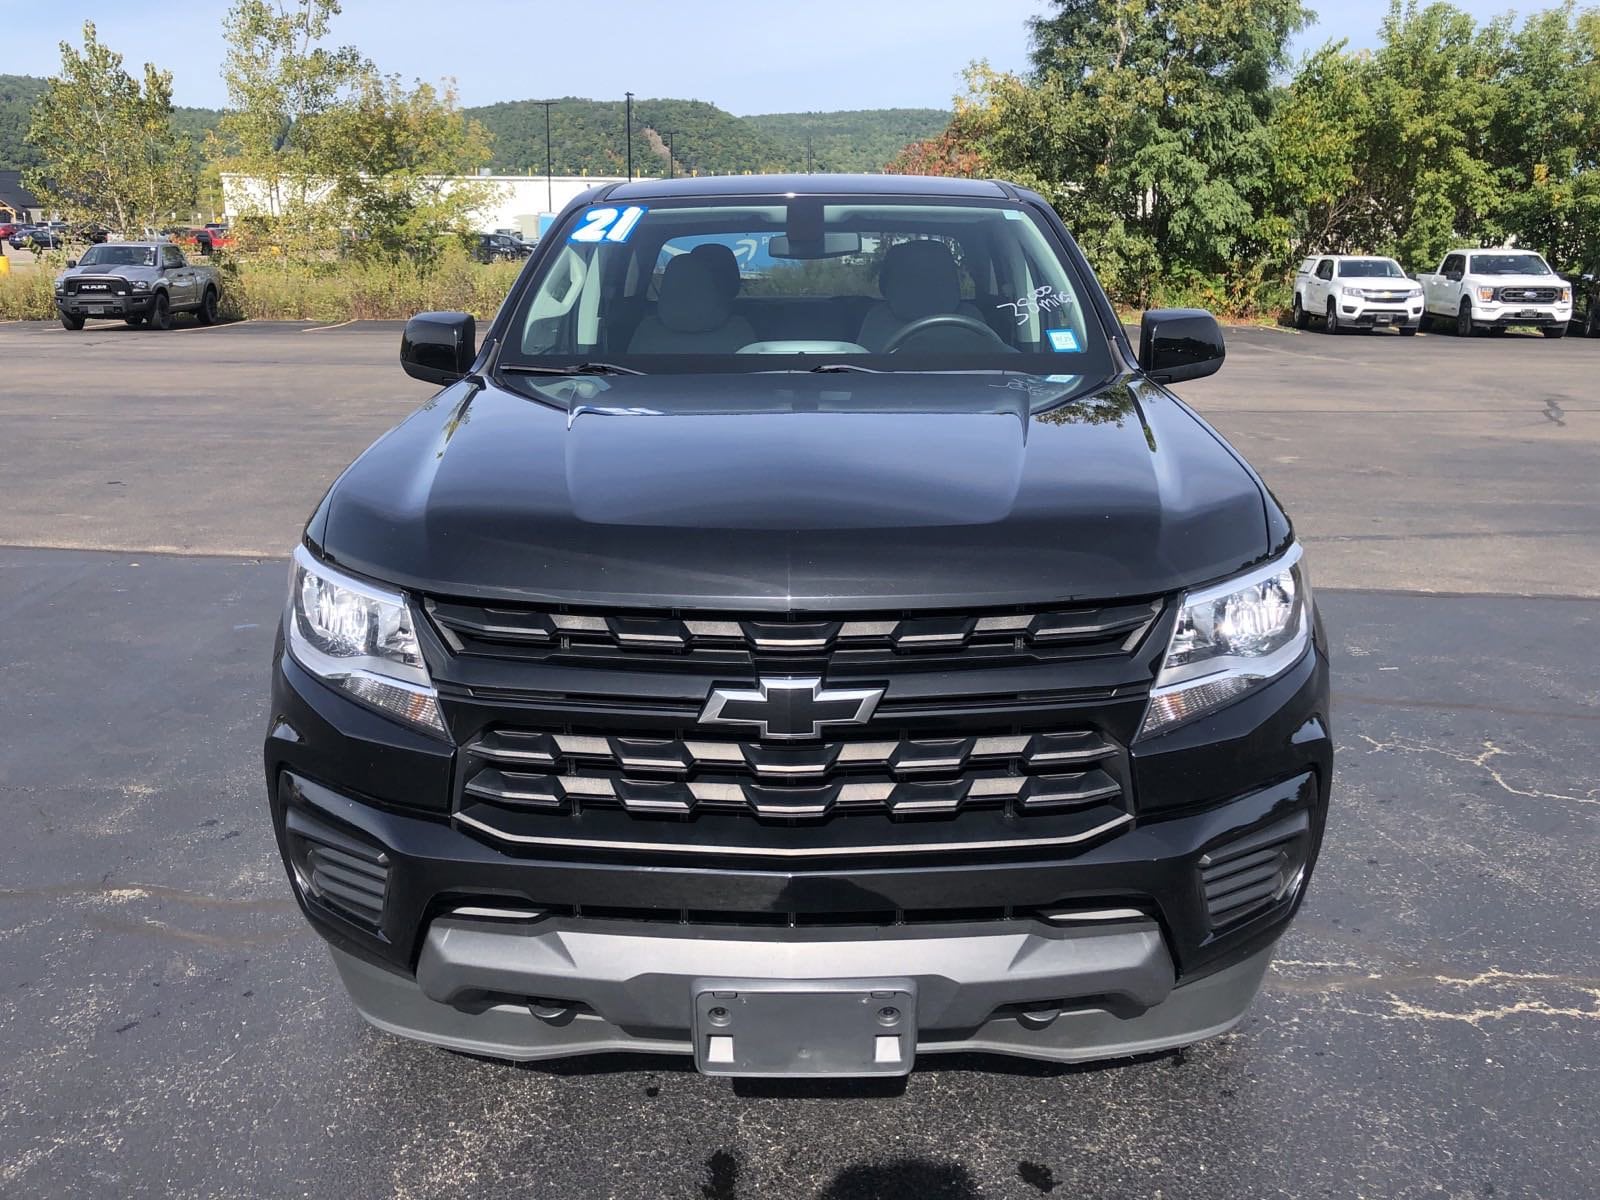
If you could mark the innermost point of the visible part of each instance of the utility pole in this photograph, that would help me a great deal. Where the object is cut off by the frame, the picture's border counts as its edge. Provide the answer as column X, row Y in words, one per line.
column 630, row 134
column 672, row 136
column 549, row 184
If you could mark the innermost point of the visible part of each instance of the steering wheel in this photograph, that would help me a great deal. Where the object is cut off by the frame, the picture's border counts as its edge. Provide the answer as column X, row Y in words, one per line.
column 907, row 332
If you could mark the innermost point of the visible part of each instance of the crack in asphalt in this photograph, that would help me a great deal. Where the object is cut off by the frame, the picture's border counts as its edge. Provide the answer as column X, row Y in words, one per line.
column 1481, row 760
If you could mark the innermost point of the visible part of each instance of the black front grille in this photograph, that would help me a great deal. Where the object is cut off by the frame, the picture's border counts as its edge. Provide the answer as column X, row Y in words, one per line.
column 897, row 638
column 1243, row 878
column 91, row 286
column 1528, row 295
column 338, row 869
column 679, row 734
column 873, row 796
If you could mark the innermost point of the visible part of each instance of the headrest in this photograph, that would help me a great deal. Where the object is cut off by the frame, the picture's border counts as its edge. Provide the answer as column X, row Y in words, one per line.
column 723, row 263
column 691, row 300
column 919, row 279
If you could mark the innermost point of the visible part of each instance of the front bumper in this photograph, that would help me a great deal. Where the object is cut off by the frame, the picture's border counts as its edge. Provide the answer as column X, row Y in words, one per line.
column 1367, row 315
column 109, row 306
column 620, row 941
column 1502, row 316
column 567, row 988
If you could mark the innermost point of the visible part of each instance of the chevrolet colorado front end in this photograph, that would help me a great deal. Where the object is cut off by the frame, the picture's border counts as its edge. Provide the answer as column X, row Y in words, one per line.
column 803, row 635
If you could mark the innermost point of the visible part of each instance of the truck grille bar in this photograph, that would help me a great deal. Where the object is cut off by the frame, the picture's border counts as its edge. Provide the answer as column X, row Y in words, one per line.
column 592, row 733
column 539, row 633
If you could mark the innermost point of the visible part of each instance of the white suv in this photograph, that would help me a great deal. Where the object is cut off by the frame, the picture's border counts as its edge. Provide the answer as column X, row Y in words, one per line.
column 1356, row 292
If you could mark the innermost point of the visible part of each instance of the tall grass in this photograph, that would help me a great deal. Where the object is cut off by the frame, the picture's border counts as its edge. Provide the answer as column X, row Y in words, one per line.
column 286, row 290
column 26, row 294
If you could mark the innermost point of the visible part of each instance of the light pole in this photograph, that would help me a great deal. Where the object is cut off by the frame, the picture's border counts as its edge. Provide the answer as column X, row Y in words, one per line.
column 549, row 185
column 672, row 137
column 630, row 134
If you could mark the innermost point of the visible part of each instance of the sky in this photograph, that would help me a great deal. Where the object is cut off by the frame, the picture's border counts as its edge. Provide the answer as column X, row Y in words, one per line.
column 745, row 57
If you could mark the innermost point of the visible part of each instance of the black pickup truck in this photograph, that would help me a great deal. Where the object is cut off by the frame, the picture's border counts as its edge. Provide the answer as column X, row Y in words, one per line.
column 805, row 634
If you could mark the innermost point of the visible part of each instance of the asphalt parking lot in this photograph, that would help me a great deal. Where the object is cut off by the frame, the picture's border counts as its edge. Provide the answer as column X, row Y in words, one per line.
column 170, row 1027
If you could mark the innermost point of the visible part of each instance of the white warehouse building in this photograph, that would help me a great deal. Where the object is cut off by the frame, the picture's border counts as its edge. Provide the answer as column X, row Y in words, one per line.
column 520, row 200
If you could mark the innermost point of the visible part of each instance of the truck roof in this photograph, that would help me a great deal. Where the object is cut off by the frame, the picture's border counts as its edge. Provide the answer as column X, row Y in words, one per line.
column 806, row 185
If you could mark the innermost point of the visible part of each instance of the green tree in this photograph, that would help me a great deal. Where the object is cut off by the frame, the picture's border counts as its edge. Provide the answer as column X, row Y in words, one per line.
column 1544, row 135
column 404, row 194
column 107, row 147
column 283, row 136
column 1163, row 119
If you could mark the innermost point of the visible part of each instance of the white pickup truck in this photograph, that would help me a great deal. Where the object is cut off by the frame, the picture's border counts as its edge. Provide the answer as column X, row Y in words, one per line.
column 1355, row 292
column 1475, row 290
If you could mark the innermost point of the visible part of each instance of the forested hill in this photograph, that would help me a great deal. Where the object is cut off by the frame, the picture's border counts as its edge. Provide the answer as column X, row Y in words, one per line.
column 860, row 140
column 17, row 96
column 588, row 135
column 18, row 93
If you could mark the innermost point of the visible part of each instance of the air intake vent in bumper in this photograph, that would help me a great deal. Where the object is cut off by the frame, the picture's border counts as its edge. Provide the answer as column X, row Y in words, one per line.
column 338, row 869
column 1245, row 877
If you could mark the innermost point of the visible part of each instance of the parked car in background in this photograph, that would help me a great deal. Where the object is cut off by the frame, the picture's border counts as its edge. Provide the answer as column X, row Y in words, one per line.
column 21, row 237
column 136, row 282
column 1586, row 300
column 498, row 247
column 7, row 228
column 1356, row 292
column 46, row 237
column 215, row 236
column 1474, row 290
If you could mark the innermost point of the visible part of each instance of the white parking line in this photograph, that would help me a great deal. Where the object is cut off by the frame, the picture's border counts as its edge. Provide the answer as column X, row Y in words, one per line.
column 322, row 328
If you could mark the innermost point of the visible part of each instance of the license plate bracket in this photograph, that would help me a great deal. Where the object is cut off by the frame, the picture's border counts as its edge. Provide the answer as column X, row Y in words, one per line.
column 811, row 1027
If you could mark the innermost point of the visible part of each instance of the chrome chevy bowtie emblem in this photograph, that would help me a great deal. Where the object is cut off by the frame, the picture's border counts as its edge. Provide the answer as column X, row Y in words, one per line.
column 790, row 709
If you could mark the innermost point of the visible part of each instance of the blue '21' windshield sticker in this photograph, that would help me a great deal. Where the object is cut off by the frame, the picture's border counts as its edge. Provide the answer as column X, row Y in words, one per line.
column 1063, row 341
column 607, row 224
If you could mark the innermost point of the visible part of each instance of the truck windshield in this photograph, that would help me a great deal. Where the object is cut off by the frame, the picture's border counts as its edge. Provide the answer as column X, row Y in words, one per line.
column 1371, row 268
column 796, row 283
column 118, row 256
column 1509, row 264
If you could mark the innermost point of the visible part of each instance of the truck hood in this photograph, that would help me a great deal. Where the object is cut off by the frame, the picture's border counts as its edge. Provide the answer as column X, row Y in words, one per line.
column 1518, row 281
column 113, row 271
column 1378, row 281
column 778, row 491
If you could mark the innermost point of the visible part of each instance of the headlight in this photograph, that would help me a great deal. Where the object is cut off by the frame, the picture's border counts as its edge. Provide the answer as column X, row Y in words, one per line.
column 359, row 638
column 1415, row 293
column 1485, row 293
column 1230, row 639
column 1564, row 295
column 141, row 285
column 1356, row 292
column 61, row 283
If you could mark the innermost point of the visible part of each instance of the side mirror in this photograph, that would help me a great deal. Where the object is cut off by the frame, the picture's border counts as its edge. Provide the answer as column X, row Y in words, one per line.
column 71, row 262
column 1180, row 343
column 439, row 347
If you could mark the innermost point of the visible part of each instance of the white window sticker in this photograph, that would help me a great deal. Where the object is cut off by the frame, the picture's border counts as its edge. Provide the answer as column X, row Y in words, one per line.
column 1063, row 341
column 607, row 224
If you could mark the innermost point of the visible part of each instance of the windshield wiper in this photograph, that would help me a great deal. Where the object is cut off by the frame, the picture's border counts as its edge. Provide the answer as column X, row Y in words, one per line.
column 832, row 368
column 588, row 368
